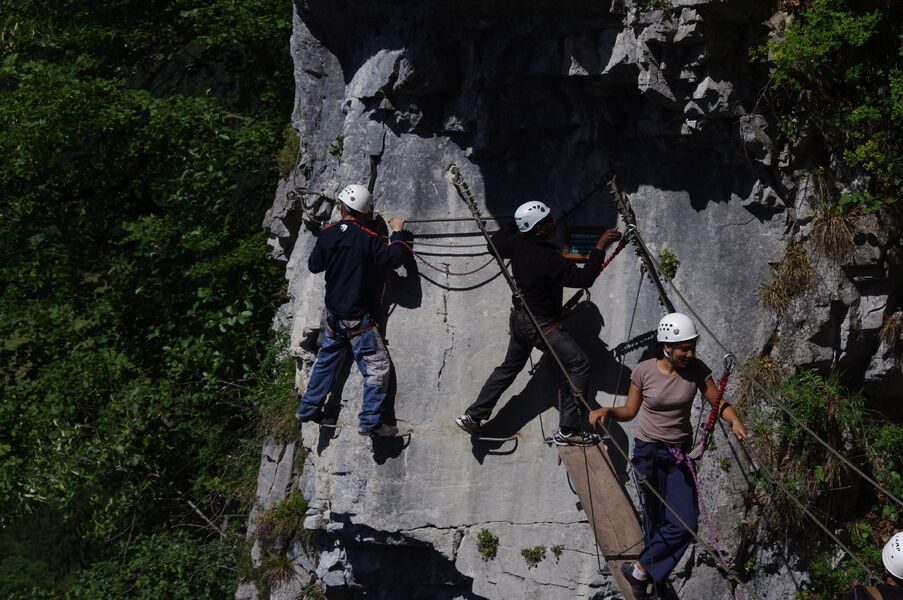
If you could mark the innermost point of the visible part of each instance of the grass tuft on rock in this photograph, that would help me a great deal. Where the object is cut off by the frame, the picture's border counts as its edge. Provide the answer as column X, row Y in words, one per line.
column 283, row 521
column 533, row 556
column 487, row 544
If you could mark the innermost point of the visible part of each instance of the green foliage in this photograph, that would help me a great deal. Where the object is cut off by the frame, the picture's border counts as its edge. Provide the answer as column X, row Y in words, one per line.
column 313, row 591
column 533, row 556
column 892, row 330
column 279, row 402
column 136, row 163
column 338, row 146
column 827, row 577
column 557, row 549
column 832, row 230
column 836, row 71
column 276, row 569
column 283, row 521
column 487, row 544
column 816, row 479
column 289, row 153
column 668, row 263
column 774, row 297
column 791, row 277
column 172, row 564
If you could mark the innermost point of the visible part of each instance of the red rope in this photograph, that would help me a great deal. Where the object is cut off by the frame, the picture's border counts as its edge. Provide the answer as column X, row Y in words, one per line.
column 618, row 249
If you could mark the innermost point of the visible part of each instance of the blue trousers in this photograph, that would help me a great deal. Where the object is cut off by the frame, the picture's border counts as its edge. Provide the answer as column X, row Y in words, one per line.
column 666, row 537
column 369, row 352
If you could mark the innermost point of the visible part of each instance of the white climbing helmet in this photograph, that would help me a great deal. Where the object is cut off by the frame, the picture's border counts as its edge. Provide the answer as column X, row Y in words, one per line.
column 892, row 555
column 529, row 214
column 356, row 197
column 676, row 327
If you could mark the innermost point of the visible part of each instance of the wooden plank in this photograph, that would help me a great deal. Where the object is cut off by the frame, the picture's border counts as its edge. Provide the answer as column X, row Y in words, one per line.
column 607, row 507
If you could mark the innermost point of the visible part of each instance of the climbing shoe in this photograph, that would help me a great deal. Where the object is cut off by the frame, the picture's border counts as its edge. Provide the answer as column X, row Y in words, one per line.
column 469, row 424
column 381, row 431
column 577, row 438
column 637, row 586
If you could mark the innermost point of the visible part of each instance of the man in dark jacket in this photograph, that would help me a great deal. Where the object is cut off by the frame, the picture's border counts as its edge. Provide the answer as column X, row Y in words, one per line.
column 541, row 273
column 349, row 252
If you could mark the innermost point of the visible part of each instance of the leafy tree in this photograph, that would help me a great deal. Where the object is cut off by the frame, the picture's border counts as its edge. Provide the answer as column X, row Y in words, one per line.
column 836, row 73
column 137, row 296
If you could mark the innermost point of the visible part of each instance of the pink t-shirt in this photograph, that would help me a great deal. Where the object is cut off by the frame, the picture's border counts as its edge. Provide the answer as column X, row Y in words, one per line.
column 667, row 400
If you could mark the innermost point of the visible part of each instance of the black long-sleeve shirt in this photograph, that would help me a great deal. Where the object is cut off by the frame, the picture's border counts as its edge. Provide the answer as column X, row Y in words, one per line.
column 347, row 252
column 541, row 272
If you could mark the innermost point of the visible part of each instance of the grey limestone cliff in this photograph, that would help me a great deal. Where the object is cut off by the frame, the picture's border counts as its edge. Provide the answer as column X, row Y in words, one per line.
column 532, row 100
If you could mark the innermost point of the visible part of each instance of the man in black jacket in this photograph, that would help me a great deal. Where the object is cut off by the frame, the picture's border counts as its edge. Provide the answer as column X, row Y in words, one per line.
column 349, row 252
column 541, row 273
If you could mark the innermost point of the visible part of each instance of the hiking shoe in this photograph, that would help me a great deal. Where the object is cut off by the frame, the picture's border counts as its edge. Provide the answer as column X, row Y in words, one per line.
column 381, row 431
column 637, row 586
column 313, row 417
column 578, row 438
column 469, row 424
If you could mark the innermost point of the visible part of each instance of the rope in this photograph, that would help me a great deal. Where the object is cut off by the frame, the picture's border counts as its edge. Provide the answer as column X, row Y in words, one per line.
column 465, row 194
column 466, row 288
column 442, row 270
column 440, row 245
column 681, row 458
column 764, row 390
column 698, row 450
column 621, row 244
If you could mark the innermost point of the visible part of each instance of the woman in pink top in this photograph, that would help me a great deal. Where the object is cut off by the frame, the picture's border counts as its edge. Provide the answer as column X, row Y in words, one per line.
column 662, row 391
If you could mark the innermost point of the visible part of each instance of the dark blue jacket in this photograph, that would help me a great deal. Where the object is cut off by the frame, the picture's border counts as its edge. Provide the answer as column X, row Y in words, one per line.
column 348, row 252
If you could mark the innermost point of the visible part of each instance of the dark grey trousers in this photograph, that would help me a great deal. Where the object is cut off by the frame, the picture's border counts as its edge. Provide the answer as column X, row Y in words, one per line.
column 522, row 340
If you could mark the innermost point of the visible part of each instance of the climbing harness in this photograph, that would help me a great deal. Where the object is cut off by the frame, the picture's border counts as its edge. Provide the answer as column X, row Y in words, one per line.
column 698, row 450
column 454, row 176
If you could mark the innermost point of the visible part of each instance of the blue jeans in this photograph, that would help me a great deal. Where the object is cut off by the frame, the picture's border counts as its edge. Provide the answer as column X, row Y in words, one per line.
column 523, row 338
column 666, row 537
column 372, row 359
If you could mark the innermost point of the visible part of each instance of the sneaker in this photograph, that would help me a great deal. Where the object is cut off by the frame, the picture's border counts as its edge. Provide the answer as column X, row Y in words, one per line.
column 381, row 431
column 637, row 586
column 469, row 424
column 578, row 438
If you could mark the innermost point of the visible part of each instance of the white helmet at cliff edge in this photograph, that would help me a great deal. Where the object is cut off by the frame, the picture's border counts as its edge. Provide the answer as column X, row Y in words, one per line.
column 892, row 555
column 529, row 214
column 676, row 327
column 356, row 197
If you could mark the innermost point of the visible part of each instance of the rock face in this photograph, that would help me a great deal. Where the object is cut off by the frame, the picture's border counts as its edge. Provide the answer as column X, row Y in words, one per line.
column 533, row 101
